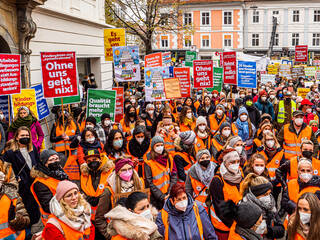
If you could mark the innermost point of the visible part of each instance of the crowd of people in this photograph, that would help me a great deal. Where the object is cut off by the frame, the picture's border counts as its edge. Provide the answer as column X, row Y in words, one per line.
column 236, row 164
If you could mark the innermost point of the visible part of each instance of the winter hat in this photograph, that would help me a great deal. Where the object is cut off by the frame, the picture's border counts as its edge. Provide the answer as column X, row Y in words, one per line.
column 25, row 108
column 121, row 162
column 64, row 187
column 91, row 120
column 104, row 116
column 223, row 125
column 45, row 154
column 187, row 137
column 261, row 189
column 221, row 106
column 138, row 95
column 200, row 120
column 150, row 105
column 247, row 214
column 297, row 113
column 312, row 122
column 155, row 140
column 265, row 116
column 248, row 98
column 263, row 92
column 139, row 129
column 306, row 102
column 201, row 152
column 243, row 110
column 234, row 140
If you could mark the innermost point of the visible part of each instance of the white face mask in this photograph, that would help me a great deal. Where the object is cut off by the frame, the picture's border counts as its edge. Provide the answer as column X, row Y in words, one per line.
column 182, row 205
column 140, row 140
column 226, row 133
column 258, row 170
column 1, row 116
column 266, row 131
column 266, row 200
column 243, row 118
column 159, row 149
column 242, row 96
column 202, row 128
column 91, row 140
column 189, row 115
column 309, row 110
column 272, row 96
column 298, row 121
column 147, row 214
column 107, row 123
column 151, row 112
column 234, row 167
column 261, row 228
column 305, row 177
column 219, row 112
column 264, row 98
column 215, row 95
column 304, row 217
column 270, row 143
column 89, row 126
column 239, row 149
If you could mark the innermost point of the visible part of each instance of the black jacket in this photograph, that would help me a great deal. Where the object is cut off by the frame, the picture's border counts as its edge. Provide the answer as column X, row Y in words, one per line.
column 254, row 115
column 203, row 112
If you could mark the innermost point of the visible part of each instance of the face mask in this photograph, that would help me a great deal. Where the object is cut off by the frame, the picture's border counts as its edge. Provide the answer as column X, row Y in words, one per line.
column 189, row 115
column 1, row 116
column 126, row 176
column 258, row 170
column 242, row 96
column 90, row 140
column 305, row 177
column 219, row 112
column 54, row 166
column 304, row 217
column 205, row 163
column 280, row 95
column 272, row 97
column 151, row 112
column 255, row 91
column 261, row 228
column 147, row 214
column 182, row 205
column 307, row 154
column 266, row 200
column 270, row 143
column 234, row 167
column 298, row 121
column 89, row 126
column 226, row 133
column 107, row 123
column 159, row 149
column 239, row 149
column 215, row 95
column 263, row 99
column 133, row 101
column 94, row 165
column 243, row 118
column 179, row 109
column 24, row 140
column 118, row 143
column 132, row 114
column 266, row 131
column 309, row 110
column 140, row 140
column 202, row 128
column 249, row 103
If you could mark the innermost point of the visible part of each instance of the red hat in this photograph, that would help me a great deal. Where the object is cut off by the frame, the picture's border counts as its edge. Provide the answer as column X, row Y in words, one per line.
column 263, row 92
column 306, row 102
column 121, row 162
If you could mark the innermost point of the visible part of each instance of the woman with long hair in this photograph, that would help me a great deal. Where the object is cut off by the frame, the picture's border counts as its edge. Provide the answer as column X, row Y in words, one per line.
column 190, row 103
column 203, row 134
column 257, row 165
column 187, row 120
column 116, row 146
column 206, row 108
column 128, row 123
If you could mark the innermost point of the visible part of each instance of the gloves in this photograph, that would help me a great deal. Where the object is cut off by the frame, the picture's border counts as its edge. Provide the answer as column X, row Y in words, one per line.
column 19, row 223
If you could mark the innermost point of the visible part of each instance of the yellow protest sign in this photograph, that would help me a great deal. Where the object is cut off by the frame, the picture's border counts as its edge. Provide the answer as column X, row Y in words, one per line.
column 27, row 98
column 302, row 92
column 113, row 37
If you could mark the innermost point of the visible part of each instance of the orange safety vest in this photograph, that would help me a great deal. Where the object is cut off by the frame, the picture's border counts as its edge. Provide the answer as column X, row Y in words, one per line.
column 82, row 125
column 298, row 237
column 124, row 126
column 258, row 142
column 5, row 231
column 217, row 145
column 165, row 220
column 273, row 164
column 214, row 125
column 71, row 167
column 199, row 192
column 230, row 193
column 293, row 190
column 201, row 145
column 70, row 130
column 197, row 105
column 234, row 129
column 50, row 183
column 292, row 142
column 294, row 168
column 168, row 144
column 189, row 159
column 184, row 128
column 118, row 237
column 233, row 235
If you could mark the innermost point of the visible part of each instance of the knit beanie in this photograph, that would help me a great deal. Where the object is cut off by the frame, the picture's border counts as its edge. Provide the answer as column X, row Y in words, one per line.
column 155, row 140
column 263, row 92
column 91, row 120
column 200, row 120
column 64, row 187
column 261, row 189
column 24, row 108
column 104, row 116
column 201, row 152
column 187, row 137
column 234, row 140
column 312, row 122
column 121, row 162
column 247, row 214
column 221, row 106
column 45, row 154
column 223, row 125
column 139, row 129
column 243, row 110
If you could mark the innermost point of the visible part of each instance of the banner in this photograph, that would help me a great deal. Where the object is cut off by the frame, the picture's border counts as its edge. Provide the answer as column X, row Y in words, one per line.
column 301, row 53
column 59, row 74
column 230, row 68
column 126, row 63
column 266, row 78
column 4, row 106
column 42, row 105
column 119, row 103
column 154, row 90
column 302, row 92
column 285, row 70
column 297, row 72
column 113, row 37
column 247, row 74
column 166, row 59
column 100, row 102
column 27, row 98
column 273, row 69
column 183, row 74
column 10, row 74
column 217, row 79
column 153, row 60
column 202, row 73
column 310, row 71
column 67, row 100
column 172, row 88
column 190, row 57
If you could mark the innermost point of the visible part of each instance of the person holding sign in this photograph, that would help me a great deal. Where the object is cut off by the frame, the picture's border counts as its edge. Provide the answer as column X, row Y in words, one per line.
column 26, row 118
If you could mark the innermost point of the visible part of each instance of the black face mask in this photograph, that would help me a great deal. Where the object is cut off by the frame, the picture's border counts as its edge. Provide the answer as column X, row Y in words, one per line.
column 24, row 140
column 132, row 114
column 54, row 166
column 94, row 165
column 205, row 163
column 307, row 154
column 288, row 100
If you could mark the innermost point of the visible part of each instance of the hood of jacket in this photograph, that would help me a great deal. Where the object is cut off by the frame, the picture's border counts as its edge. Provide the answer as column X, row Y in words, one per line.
column 34, row 173
column 106, row 166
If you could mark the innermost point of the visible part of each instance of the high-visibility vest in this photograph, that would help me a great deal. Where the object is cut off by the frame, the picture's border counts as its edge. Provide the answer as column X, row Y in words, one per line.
column 5, row 231
column 294, row 168
column 199, row 191
column 298, row 237
column 201, row 145
column 189, row 159
column 230, row 192
column 282, row 113
column 217, row 145
column 184, row 128
column 292, row 142
column 196, row 105
column 50, row 183
column 70, row 130
column 82, row 126
column 165, row 220
column 257, row 141
column 232, row 234
column 293, row 190
column 273, row 164
column 214, row 125
column 119, row 237
column 168, row 144
column 70, row 233
column 234, row 129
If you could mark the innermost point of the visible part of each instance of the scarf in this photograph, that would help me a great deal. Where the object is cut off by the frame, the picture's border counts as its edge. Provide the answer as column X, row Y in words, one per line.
column 248, row 234
column 86, row 146
column 137, row 149
column 57, row 174
column 127, row 186
column 205, row 176
column 243, row 128
column 19, row 122
column 268, row 210
column 202, row 135
column 187, row 122
column 80, row 222
column 230, row 176
column 162, row 160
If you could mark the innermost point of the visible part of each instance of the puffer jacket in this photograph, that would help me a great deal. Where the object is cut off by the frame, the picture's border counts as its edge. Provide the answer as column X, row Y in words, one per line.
column 265, row 107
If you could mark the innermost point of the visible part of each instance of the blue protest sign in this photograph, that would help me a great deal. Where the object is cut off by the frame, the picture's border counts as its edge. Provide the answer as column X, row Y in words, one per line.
column 247, row 74
column 4, row 106
column 171, row 71
column 42, row 105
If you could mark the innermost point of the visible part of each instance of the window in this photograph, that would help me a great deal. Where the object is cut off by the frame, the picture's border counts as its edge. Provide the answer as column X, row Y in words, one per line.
column 276, row 40
column 255, row 40
column 295, row 39
column 187, row 19
column 205, row 18
column 316, row 39
column 255, row 17
column 275, row 12
column 187, row 41
column 164, row 41
column 164, row 19
column 205, row 41
column 227, row 41
column 316, row 15
column 227, row 18
column 296, row 16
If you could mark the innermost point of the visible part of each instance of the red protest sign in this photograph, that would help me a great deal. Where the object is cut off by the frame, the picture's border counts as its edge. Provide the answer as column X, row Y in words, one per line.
column 59, row 74
column 183, row 74
column 202, row 73
column 230, row 68
column 153, row 60
column 10, row 74
column 119, row 103
column 301, row 53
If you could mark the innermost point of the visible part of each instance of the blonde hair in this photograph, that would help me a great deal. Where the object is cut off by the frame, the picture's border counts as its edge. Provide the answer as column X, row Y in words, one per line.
column 270, row 134
column 14, row 144
column 68, row 211
column 252, row 180
column 18, row 113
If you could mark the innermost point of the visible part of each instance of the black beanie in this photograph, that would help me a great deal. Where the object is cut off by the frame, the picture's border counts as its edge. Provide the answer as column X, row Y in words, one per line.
column 139, row 129
column 223, row 125
column 261, row 189
column 45, row 154
column 92, row 120
column 104, row 116
column 247, row 215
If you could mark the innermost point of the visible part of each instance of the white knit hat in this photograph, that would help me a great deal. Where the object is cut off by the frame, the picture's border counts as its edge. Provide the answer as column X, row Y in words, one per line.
column 200, row 120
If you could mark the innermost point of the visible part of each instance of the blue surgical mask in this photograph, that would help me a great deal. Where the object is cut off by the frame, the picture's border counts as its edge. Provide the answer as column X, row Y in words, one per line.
column 118, row 143
column 280, row 95
column 179, row 109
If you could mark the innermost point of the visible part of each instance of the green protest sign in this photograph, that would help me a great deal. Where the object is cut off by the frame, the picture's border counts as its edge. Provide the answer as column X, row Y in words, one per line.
column 217, row 79
column 66, row 100
column 100, row 102
column 190, row 56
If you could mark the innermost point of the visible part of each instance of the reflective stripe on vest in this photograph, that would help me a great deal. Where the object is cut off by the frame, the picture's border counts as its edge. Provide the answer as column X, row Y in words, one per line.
column 293, row 190
column 294, row 168
column 160, row 175
column 273, row 164
column 281, row 112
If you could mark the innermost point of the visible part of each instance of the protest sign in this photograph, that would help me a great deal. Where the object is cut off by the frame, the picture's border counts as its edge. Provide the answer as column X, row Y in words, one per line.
column 113, row 37
column 27, row 98
column 59, row 74
column 285, row 70
column 310, row 71
column 301, row 53
column 247, row 74
column 308, row 84
column 190, row 57
column 230, row 68
column 316, row 62
column 266, row 78
column 217, row 78
column 126, row 63
column 119, row 103
column 183, row 74
column 66, row 100
column 4, row 106
column 166, row 59
column 318, row 76
column 203, row 73
column 42, row 105
column 297, row 72
column 273, row 69
column 172, row 88
column 154, row 90
column 302, row 92
column 100, row 102
column 153, row 60
column 10, row 74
